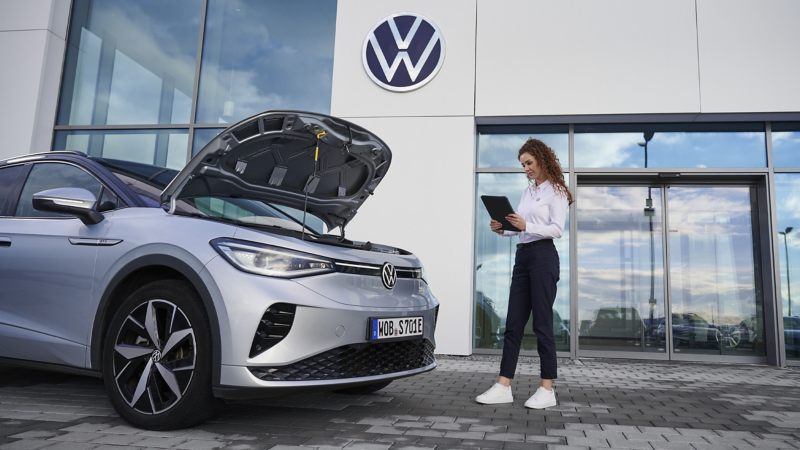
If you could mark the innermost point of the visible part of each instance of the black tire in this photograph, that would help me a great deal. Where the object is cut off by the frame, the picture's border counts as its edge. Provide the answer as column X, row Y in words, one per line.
column 365, row 389
column 176, row 393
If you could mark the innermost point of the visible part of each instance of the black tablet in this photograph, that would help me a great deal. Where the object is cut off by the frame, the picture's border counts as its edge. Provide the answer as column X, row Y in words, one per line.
column 499, row 207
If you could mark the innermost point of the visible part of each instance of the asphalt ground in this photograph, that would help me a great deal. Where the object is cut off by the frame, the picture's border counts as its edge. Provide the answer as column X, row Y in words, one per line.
column 602, row 404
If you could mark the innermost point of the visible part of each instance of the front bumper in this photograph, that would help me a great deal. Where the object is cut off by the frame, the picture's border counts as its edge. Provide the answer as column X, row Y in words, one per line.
column 327, row 346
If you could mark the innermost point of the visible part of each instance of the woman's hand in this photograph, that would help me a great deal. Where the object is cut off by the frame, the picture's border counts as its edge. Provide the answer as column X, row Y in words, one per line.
column 516, row 220
column 496, row 226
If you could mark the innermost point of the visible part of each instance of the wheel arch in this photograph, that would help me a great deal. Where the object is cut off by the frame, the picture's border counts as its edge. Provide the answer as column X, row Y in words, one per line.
column 133, row 275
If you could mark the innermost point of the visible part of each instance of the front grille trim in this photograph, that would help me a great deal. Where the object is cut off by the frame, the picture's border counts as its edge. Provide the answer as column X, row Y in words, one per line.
column 374, row 270
column 354, row 361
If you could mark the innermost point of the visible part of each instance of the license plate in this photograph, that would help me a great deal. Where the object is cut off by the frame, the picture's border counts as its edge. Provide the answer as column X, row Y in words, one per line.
column 395, row 327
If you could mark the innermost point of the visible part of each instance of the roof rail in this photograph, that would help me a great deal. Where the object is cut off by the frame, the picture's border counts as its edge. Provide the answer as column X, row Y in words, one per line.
column 59, row 152
column 28, row 156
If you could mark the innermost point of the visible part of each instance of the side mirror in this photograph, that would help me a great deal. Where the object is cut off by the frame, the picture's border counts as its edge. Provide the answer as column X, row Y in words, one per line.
column 73, row 201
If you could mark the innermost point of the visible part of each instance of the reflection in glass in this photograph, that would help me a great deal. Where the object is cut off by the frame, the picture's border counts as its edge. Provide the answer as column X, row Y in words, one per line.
column 671, row 145
column 263, row 55
column 494, row 261
column 498, row 146
column 620, row 269
column 787, row 200
column 717, row 305
column 786, row 144
column 165, row 148
column 130, row 62
column 203, row 136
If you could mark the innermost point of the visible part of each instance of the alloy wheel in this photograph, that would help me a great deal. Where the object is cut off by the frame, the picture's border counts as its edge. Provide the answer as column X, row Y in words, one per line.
column 154, row 357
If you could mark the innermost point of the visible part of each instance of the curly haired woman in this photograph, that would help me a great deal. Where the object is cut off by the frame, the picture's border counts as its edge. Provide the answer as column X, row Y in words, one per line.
column 540, row 218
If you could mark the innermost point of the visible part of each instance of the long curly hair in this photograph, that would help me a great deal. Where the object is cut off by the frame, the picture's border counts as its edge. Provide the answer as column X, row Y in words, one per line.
column 548, row 161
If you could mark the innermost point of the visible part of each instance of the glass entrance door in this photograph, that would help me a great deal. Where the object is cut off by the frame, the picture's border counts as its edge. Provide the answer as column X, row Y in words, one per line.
column 711, row 285
column 715, row 282
column 621, row 269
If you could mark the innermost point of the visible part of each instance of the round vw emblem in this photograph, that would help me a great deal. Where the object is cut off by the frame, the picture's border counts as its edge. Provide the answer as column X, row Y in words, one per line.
column 403, row 52
column 156, row 356
column 388, row 275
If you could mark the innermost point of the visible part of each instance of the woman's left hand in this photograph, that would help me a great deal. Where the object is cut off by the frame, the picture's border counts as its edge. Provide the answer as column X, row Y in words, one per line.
column 517, row 220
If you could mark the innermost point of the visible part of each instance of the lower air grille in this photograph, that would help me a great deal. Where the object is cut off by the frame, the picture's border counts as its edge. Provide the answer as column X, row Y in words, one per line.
column 354, row 361
column 273, row 327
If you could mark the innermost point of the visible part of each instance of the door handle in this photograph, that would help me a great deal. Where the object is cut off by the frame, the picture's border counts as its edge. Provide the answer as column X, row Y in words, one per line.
column 5, row 241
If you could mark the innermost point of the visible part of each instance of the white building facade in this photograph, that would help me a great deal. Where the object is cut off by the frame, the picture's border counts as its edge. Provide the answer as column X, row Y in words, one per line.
column 676, row 122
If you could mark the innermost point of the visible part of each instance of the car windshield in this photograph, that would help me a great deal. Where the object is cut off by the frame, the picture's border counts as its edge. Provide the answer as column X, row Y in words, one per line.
column 149, row 181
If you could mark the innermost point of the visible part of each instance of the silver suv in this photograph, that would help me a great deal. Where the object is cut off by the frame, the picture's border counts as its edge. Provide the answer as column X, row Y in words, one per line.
column 180, row 289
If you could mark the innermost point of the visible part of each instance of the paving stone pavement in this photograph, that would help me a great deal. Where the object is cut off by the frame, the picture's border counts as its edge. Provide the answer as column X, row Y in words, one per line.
column 602, row 404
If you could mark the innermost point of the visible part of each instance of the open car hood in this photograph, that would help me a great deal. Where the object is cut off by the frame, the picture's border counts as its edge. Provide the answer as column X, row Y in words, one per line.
column 270, row 157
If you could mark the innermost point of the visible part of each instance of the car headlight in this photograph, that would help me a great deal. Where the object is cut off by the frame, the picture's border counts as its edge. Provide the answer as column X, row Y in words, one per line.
column 271, row 261
column 424, row 275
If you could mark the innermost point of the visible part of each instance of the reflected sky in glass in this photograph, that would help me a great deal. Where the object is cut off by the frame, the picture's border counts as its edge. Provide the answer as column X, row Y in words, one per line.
column 498, row 146
column 494, row 261
column 164, row 148
column 203, row 136
column 620, row 269
column 715, row 288
column 270, row 54
column 787, row 199
column 130, row 62
column 786, row 144
column 671, row 145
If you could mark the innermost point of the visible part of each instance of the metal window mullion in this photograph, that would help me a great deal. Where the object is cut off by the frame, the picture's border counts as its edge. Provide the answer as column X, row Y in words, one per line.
column 196, row 86
column 573, row 249
column 775, row 261
column 665, row 255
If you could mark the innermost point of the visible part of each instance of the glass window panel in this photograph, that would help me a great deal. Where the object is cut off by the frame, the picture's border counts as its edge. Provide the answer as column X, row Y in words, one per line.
column 786, row 144
column 787, row 199
column 715, row 284
column 130, row 62
column 165, row 148
column 494, row 261
column 620, row 269
column 203, row 136
column 498, row 146
column 266, row 55
column 8, row 178
column 701, row 145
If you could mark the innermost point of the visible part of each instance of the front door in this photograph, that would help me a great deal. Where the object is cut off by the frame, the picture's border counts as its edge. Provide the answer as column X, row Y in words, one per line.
column 46, row 275
column 691, row 251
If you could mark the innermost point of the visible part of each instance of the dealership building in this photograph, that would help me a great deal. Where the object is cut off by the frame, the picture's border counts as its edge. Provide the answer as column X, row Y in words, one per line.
column 676, row 123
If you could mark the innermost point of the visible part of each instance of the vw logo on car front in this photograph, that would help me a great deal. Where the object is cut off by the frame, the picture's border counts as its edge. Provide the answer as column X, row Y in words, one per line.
column 403, row 52
column 388, row 275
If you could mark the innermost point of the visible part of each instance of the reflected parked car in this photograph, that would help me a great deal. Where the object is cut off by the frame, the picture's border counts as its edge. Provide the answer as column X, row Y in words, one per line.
column 621, row 325
column 690, row 330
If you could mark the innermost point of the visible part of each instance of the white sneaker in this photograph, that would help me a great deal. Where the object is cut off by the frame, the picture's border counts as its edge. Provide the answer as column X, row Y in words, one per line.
column 542, row 399
column 496, row 394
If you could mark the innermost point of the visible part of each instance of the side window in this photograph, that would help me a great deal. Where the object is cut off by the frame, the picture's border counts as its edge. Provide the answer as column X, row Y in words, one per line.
column 7, row 177
column 45, row 176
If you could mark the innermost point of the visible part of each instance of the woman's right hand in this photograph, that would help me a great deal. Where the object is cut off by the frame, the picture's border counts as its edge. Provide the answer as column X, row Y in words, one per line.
column 496, row 226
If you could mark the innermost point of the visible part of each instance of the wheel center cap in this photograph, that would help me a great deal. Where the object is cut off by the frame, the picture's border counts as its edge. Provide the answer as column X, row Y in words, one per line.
column 156, row 356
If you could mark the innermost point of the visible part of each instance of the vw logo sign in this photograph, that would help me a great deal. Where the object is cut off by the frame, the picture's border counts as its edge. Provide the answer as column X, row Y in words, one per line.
column 388, row 275
column 403, row 52
column 156, row 356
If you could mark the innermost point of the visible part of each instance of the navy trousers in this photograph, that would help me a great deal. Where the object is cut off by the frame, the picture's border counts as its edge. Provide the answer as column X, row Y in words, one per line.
column 533, row 292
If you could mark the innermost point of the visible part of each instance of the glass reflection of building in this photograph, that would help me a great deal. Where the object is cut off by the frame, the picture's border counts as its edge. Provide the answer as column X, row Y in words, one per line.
column 153, row 81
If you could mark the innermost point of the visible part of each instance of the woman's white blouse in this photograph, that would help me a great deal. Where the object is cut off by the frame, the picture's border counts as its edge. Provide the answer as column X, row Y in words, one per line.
column 544, row 211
